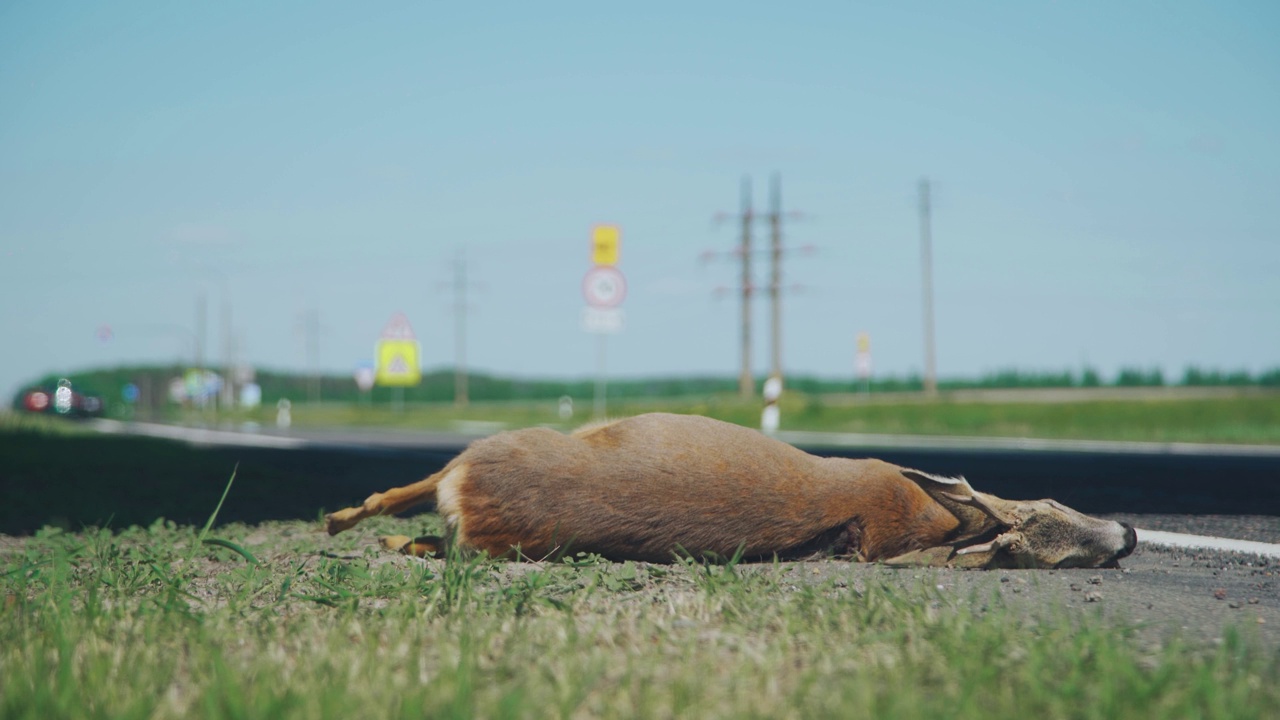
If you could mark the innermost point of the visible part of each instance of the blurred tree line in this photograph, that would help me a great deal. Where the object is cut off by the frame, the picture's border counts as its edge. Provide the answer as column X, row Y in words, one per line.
column 153, row 384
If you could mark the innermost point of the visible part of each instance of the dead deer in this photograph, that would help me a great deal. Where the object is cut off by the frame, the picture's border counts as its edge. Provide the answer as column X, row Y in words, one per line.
column 656, row 486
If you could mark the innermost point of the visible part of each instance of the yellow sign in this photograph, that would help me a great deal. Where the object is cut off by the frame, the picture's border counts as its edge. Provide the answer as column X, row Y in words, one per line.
column 604, row 244
column 864, row 343
column 397, row 363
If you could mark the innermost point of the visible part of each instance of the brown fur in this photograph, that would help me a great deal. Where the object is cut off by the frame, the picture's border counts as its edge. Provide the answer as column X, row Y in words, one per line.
column 653, row 486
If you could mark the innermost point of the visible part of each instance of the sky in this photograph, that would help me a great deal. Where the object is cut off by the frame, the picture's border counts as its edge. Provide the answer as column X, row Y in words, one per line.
column 1104, row 179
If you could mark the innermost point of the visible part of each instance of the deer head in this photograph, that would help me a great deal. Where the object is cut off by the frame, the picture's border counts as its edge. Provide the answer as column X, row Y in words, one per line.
column 999, row 533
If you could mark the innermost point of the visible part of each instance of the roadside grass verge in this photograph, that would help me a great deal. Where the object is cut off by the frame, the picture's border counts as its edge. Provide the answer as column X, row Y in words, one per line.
column 1253, row 419
column 1250, row 420
column 276, row 620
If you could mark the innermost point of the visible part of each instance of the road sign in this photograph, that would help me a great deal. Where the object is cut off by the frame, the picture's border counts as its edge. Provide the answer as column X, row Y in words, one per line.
column 862, row 359
column 365, row 375
column 605, row 240
column 602, row 320
column 397, row 363
column 398, row 328
column 604, row 287
column 397, row 353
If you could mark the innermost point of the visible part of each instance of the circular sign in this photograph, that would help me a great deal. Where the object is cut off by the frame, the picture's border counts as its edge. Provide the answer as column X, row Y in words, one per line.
column 365, row 375
column 604, row 287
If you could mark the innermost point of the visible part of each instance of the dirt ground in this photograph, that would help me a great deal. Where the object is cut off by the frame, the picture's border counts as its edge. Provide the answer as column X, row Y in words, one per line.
column 1164, row 593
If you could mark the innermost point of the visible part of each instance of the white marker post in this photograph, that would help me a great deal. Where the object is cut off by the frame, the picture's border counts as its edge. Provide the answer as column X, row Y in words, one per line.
column 771, row 416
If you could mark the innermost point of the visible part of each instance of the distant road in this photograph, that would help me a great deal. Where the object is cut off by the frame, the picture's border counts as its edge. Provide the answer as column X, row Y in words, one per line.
column 823, row 442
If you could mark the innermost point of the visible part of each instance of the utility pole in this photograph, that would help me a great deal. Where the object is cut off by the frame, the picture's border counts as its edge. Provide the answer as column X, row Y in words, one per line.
column 747, row 217
column 200, row 333
column 313, row 351
column 746, row 383
column 311, row 343
column 926, row 262
column 775, row 280
column 228, row 357
column 460, row 398
column 460, row 286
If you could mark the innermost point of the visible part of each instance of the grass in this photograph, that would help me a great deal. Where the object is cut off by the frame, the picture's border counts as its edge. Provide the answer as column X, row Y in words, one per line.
column 1253, row 419
column 152, row 623
column 168, row 620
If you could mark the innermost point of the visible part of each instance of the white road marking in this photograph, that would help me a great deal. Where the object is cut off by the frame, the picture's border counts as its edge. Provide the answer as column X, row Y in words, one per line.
column 960, row 442
column 199, row 436
column 1208, row 542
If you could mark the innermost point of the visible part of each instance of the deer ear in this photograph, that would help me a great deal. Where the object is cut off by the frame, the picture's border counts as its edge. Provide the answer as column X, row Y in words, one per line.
column 955, row 495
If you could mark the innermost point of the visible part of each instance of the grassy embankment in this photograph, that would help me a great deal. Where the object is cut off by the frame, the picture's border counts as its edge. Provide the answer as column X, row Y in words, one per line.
column 152, row 623
column 1242, row 419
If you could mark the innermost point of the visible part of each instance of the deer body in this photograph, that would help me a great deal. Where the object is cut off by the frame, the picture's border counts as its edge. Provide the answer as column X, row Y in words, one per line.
column 651, row 486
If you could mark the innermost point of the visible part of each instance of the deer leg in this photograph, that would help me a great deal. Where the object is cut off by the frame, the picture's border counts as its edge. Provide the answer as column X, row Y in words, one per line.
column 395, row 500
column 425, row 546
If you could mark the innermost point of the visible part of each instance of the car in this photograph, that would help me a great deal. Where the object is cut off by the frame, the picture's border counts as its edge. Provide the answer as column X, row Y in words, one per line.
column 62, row 400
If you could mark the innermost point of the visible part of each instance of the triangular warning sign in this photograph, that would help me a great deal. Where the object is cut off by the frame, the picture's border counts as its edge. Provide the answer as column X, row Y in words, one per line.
column 398, row 328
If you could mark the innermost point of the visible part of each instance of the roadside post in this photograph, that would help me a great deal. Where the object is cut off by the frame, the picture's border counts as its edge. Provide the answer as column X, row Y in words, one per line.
column 604, row 287
column 771, row 416
column 364, row 376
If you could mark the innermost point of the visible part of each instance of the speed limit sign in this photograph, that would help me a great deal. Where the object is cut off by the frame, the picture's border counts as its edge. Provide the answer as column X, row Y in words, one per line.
column 604, row 287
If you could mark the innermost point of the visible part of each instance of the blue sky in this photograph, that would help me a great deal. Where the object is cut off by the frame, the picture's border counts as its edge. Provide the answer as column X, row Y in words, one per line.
column 1104, row 177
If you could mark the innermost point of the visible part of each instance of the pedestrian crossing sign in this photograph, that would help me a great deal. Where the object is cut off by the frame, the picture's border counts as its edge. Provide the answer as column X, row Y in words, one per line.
column 397, row 363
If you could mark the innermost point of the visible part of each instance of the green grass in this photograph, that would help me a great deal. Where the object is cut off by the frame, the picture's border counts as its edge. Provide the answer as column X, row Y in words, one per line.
column 1220, row 420
column 1248, row 419
column 151, row 623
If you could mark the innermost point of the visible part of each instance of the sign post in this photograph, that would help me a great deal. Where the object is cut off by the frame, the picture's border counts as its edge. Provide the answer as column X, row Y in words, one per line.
column 862, row 362
column 604, row 287
column 364, row 376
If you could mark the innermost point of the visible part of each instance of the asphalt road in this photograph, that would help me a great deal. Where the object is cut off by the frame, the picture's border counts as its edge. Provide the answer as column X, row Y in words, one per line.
column 1093, row 477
